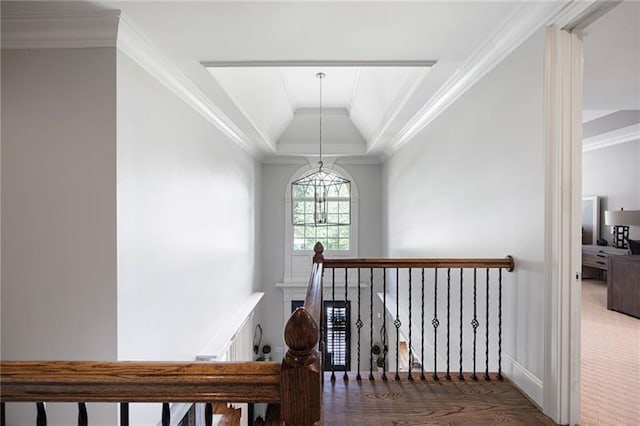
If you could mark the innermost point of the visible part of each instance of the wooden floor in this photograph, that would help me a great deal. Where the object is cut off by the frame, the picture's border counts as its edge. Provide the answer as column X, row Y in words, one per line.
column 426, row 403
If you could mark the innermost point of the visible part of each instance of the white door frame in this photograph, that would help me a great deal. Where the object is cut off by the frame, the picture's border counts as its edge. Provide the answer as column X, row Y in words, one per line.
column 563, row 208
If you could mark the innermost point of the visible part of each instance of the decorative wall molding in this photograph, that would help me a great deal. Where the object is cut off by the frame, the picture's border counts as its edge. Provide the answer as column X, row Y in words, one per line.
column 624, row 135
column 139, row 48
column 518, row 27
column 59, row 31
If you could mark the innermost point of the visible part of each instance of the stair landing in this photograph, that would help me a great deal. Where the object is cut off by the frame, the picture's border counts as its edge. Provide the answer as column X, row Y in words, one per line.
column 428, row 402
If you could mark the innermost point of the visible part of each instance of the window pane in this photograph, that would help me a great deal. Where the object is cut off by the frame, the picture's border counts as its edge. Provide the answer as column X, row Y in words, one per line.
column 298, row 231
column 332, row 231
column 343, row 231
column 344, row 218
column 310, row 232
column 298, row 244
column 332, row 244
column 332, row 207
column 308, row 245
column 321, row 231
column 344, row 206
column 343, row 244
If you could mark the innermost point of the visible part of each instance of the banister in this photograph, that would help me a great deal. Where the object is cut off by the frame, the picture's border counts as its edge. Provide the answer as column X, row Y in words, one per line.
column 506, row 263
column 71, row 381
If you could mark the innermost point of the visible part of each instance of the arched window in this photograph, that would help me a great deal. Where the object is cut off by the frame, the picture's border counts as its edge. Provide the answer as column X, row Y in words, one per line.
column 338, row 240
column 321, row 211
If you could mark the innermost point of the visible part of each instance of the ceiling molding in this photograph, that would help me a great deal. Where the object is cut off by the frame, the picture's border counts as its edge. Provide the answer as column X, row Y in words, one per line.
column 616, row 137
column 408, row 89
column 518, row 27
column 59, row 31
column 354, row 89
column 287, row 90
column 327, row 159
column 137, row 46
column 579, row 14
column 319, row 63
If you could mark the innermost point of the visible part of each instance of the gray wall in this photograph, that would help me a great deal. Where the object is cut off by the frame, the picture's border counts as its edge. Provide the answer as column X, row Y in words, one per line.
column 613, row 174
column 58, row 211
column 472, row 185
column 274, row 183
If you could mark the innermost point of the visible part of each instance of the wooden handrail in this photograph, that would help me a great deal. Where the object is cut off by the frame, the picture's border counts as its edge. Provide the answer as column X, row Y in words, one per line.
column 72, row 381
column 506, row 263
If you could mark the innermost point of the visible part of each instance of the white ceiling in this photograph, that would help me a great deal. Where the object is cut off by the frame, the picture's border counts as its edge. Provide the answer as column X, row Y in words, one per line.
column 376, row 109
column 272, row 99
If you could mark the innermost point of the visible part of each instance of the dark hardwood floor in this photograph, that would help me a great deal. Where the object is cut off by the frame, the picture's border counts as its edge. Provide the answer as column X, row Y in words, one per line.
column 427, row 402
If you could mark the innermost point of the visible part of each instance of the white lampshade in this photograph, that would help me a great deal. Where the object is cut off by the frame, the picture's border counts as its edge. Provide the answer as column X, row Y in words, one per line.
column 622, row 217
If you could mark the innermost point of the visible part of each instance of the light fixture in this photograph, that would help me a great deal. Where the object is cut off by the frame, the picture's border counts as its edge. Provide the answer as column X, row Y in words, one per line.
column 620, row 220
column 320, row 186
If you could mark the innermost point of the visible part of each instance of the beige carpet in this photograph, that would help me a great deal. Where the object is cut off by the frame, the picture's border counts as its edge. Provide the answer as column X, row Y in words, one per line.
column 610, row 361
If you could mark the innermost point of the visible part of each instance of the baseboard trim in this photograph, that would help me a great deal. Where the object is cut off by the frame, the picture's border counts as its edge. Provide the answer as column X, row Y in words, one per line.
column 523, row 379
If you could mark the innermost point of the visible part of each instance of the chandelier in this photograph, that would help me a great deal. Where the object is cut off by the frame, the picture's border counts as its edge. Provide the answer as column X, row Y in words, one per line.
column 320, row 186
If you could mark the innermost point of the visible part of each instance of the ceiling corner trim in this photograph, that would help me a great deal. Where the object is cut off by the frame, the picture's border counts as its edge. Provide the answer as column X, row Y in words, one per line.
column 518, row 27
column 139, row 48
column 624, row 135
column 60, row 31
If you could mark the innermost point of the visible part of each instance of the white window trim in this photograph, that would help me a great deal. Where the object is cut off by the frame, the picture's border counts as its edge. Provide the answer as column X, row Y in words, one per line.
column 291, row 276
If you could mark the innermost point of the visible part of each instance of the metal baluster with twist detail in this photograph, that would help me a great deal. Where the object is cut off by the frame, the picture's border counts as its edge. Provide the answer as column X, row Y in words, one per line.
column 397, row 323
column 83, row 417
column 460, row 375
column 371, row 326
column 124, row 414
column 166, row 414
column 486, row 351
column 41, row 419
column 208, row 414
column 447, row 375
column 474, row 323
column 409, row 376
column 359, row 326
column 500, row 324
column 384, row 324
column 333, row 321
column 345, row 376
column 422, row 376
column 435, row 323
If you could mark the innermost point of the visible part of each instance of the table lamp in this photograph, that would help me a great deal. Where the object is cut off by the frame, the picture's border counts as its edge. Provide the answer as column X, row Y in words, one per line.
column 620, row 220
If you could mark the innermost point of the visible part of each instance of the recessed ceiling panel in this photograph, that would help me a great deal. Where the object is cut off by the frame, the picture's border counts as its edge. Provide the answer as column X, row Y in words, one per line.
column 304, row 86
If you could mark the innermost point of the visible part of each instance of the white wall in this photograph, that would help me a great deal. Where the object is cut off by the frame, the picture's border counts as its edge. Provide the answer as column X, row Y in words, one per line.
column 58, row 210
column 186, row 223
column 472, row 185
column 613, row 173
column 274, row 184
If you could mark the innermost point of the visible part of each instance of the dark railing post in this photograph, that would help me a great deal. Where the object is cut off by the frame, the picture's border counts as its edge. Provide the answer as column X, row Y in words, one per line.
column 301, row 371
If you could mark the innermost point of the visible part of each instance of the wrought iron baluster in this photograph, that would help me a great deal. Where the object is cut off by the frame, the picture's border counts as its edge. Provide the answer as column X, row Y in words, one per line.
column 371, row 325
column 41, row 419
column 460, row 375
column 359, row 326
column 500, row 324
column 333, row 322
column 397, row 324
column 435, row 323
column 166, row 414
column 2, row 415
column 83, row 417
column 410, row 353
column 474, row 323
column 486, row 351
column 447, row 375
column 208, row 414
column 385, row 347
column 422, row 377
column 124, row 414
column 345, row 376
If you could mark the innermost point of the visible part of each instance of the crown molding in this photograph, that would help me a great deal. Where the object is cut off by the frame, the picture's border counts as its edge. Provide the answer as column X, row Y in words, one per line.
column 517, row 28
column 139, row 48
column 616, row 137
column 59, row 31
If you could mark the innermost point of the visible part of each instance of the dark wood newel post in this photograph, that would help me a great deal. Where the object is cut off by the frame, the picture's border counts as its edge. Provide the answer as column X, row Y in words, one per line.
column 301, row 373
